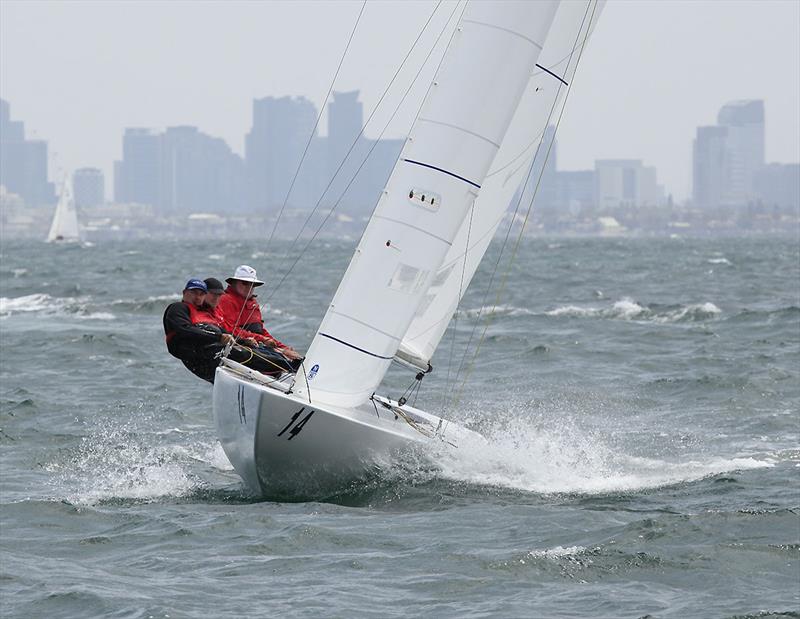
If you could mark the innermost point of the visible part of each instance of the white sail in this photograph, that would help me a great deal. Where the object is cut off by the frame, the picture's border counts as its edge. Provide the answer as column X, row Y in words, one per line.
column 439, row 174
column 65, row 219
column 523, row 142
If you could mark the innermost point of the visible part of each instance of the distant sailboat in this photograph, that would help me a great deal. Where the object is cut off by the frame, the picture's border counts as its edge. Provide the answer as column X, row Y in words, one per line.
column 470, row 148
column 65, row 226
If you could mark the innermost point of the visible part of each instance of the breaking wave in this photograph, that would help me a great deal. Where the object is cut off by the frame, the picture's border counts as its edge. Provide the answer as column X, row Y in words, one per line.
column 51, row 306
column 627, row 309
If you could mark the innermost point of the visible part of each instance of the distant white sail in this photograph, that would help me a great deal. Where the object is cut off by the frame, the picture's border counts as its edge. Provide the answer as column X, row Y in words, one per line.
column 439, row 174
column 65, row 219
column 546, row 88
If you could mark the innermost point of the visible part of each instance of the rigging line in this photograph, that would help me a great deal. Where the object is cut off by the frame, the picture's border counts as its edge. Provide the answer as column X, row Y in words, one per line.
column 355, row 175
column 445, row 395
column 360, row 133
column 316, row 124
column 516, row 211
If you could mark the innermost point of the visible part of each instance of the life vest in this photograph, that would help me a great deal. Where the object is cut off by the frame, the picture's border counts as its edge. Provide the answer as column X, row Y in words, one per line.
column 204, row 316
column 199, row 316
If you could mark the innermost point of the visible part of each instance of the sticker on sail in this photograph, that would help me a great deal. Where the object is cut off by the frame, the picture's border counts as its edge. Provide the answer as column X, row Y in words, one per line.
column 426, row 199
column 407, row 278
column 313, row 372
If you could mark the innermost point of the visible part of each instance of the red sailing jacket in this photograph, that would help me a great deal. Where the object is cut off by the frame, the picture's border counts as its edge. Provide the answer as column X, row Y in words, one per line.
column 242, row 318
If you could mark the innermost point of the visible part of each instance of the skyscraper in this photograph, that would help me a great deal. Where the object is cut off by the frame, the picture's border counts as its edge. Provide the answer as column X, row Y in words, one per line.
column 347, row 149
column 198, row 173
column 274, row 149
column 23, row 163
column 136, row 177
column 744, row 121
column 709, row 166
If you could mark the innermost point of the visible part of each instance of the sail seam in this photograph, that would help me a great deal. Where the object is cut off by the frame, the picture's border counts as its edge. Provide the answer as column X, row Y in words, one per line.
column 546, row 70
column 462, row 129
column 433, row 167
column 365, row 324
column 354, row 347
column 509, row 31
column 403, row 223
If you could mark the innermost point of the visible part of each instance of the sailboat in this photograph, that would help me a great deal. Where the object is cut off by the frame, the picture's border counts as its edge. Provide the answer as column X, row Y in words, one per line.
column 64, row 226
column 481, row 125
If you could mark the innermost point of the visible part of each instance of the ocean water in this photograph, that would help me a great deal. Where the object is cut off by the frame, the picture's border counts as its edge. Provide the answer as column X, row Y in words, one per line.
column 640, row 400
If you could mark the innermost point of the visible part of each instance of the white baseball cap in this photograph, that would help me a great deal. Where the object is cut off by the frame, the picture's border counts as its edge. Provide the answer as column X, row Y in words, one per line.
column 245, row 273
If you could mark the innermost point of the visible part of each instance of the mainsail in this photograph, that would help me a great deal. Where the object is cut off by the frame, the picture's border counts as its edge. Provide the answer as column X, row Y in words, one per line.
column 437, row 179
column 65, row 219
column 523, row 148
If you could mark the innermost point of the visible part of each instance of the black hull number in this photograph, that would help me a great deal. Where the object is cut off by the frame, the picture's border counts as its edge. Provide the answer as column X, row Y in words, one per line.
column 294, row 431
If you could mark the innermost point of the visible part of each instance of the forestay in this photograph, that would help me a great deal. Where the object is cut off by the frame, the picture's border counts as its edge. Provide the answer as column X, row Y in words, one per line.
column 522, row 144
column 438, row 176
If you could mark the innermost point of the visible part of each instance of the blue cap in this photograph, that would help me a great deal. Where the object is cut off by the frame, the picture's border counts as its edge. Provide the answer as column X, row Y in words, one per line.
column 196, row 284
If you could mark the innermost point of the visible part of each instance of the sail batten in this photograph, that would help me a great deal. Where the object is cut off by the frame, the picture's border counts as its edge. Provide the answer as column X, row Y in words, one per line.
column 431, row 191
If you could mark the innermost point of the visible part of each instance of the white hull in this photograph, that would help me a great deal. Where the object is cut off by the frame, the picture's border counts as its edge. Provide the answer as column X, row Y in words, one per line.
column 281, row 444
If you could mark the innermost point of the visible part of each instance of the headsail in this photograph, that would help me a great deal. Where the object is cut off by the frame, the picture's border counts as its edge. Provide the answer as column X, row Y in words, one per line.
column 65, row 219
column 522, row 144
column 439, row 175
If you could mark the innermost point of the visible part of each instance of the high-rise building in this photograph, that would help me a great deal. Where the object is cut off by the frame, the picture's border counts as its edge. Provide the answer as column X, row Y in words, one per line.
column 274, row 147
column 23, row 163
column 744, row 121
column 199, row 173
column 625, row 182
column 345, row 121
column 88, row 187
column 709, row 166
column 136, row 177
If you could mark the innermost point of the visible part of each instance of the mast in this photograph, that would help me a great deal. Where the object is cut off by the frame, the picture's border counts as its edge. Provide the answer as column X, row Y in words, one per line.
column 438, row 177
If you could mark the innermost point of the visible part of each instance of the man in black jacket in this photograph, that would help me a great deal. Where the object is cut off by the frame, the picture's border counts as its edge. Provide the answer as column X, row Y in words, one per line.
column 193, row 335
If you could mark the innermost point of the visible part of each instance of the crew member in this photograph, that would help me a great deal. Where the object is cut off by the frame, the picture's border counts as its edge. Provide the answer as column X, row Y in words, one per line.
column 241, row 313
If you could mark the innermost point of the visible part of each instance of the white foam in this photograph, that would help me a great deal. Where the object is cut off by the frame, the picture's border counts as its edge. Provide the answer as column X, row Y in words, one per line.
column 572, row 310
column 556, row 552
column 628, row 309
column 120, row 463
column 719, row 261
column 498, row 310
column 556, row 460
column 29, row 303
column 97, row 316
column 45, row 304
column 698, row 310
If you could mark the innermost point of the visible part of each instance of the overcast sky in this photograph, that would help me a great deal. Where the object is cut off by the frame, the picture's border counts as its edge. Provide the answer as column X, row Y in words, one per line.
column 78, row 73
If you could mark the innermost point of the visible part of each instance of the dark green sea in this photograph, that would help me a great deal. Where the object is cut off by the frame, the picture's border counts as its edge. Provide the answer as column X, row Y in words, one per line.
column 641, row 399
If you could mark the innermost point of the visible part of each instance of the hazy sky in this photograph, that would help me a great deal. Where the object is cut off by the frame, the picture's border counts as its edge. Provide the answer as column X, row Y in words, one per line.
column 78, row 73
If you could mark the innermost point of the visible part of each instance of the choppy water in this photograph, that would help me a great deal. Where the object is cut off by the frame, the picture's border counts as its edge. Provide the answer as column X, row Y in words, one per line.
column 641, row 400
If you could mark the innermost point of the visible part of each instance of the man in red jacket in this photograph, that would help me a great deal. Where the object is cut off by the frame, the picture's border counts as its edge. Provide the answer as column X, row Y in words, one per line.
column 241, row 313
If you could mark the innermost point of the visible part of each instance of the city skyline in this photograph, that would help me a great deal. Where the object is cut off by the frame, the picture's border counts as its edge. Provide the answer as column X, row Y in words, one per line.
column 178, row 78
column 182, row 170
